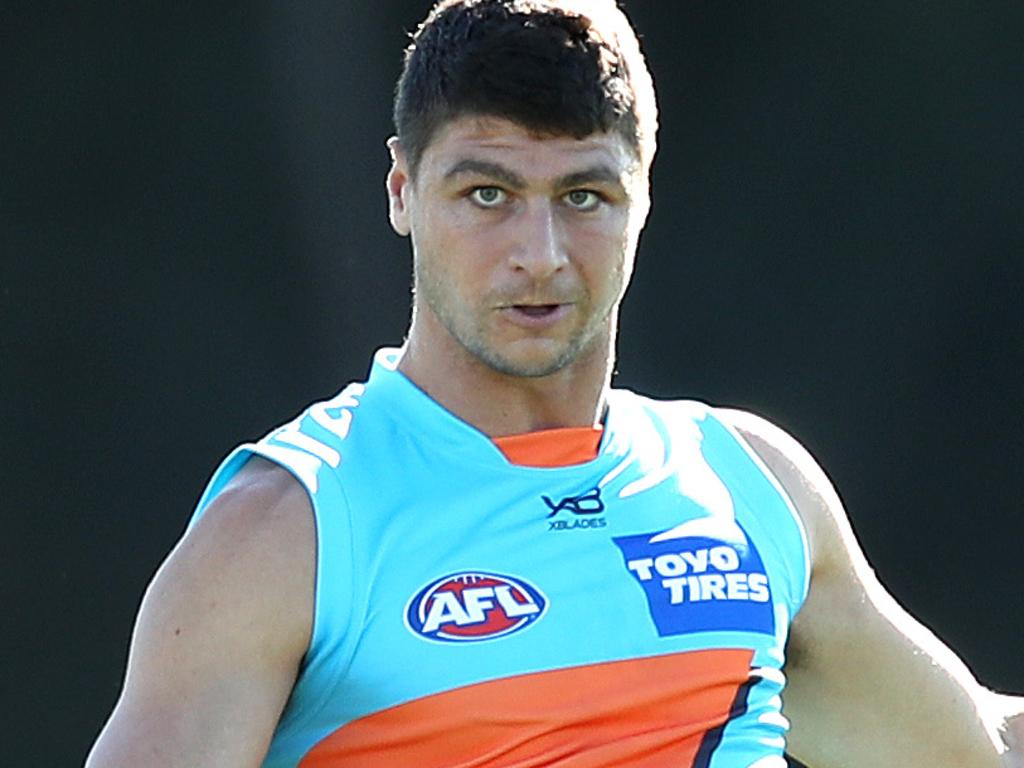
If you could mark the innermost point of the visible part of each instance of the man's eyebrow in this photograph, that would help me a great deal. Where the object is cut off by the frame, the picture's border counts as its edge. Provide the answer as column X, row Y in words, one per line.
column 485, row 168
column 597, row 174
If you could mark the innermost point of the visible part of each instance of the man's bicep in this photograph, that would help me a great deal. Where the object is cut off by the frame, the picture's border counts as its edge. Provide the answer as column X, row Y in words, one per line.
column 868, row 684
column 220, row 634
column 861, row 680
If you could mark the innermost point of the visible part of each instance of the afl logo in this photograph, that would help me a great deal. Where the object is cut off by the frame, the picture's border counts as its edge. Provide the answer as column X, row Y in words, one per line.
column 473, row 606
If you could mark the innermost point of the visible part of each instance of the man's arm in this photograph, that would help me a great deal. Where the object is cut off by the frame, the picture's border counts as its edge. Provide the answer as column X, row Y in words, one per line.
column 221, row 633
column 868, row 685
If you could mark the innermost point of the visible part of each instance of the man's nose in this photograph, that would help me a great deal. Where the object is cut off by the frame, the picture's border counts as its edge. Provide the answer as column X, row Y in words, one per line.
column 540, row 248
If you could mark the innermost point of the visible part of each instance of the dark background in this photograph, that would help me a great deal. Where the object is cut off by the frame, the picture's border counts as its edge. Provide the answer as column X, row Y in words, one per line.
column 194, row 246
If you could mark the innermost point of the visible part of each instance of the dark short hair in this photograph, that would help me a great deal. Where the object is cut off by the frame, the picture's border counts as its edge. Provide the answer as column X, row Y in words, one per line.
column 560, row 67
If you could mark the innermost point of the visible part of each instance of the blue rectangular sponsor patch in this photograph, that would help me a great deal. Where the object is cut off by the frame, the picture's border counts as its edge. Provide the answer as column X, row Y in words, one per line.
column 700, row 584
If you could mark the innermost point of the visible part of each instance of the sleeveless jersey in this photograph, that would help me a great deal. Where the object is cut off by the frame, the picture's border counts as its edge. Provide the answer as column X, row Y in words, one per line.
column 627, row 611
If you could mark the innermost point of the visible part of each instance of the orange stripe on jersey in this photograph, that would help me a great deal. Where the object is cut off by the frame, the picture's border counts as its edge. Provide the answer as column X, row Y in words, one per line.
column 552, row 447
column 627, row 714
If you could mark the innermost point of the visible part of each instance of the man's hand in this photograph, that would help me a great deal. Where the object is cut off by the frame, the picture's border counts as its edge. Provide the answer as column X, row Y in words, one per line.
column 1013, row 735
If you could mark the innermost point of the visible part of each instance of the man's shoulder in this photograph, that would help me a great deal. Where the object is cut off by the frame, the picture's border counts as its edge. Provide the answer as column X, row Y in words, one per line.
column 262, row 492
column 263, row 507
column 801, row 476
column 257, row 536
column 753, row 426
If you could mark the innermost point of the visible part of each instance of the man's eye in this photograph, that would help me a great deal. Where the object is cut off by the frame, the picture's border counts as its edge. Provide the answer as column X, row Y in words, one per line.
column 488, row 197
column 583, row 199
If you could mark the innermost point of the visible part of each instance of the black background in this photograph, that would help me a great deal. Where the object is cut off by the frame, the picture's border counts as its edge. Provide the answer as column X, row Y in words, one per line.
column 194, row 246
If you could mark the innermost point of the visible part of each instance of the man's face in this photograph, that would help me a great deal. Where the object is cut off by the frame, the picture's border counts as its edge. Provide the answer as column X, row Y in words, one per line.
column 523, row 244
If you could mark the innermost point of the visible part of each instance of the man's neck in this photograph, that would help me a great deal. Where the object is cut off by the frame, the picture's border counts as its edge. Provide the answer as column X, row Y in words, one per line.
column 500, row 404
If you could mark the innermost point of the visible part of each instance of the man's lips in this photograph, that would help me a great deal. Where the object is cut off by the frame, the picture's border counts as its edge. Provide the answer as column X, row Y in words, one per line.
column 536, row 310
column 535, row 315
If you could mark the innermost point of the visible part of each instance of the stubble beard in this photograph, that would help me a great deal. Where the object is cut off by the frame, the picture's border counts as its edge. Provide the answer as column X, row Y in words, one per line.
column 571, row 351
column 469, row 332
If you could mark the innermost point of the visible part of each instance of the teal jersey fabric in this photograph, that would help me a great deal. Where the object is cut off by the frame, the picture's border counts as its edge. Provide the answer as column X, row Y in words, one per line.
column 460, row 594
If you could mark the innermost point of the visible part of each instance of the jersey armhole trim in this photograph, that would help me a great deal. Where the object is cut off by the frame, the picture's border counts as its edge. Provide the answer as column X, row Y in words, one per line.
column 223, row 475
column 774, row 481
column 319, row 634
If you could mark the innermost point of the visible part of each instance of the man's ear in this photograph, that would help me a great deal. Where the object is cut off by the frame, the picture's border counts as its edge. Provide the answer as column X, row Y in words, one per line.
column 399, row 185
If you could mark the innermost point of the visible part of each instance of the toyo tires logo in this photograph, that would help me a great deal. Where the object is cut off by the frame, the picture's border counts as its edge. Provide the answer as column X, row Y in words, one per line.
column 471, row 606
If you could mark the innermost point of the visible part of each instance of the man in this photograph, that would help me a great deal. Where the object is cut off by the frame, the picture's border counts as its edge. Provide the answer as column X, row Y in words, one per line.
column 487, row 556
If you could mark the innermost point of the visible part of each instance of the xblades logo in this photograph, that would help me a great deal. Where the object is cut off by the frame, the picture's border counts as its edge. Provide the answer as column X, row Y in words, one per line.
column 588, row 503
column 583, row 507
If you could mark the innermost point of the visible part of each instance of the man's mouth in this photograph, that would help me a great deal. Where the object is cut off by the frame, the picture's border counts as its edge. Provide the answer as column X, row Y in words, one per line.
column 536, row 310
column 535, row 316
